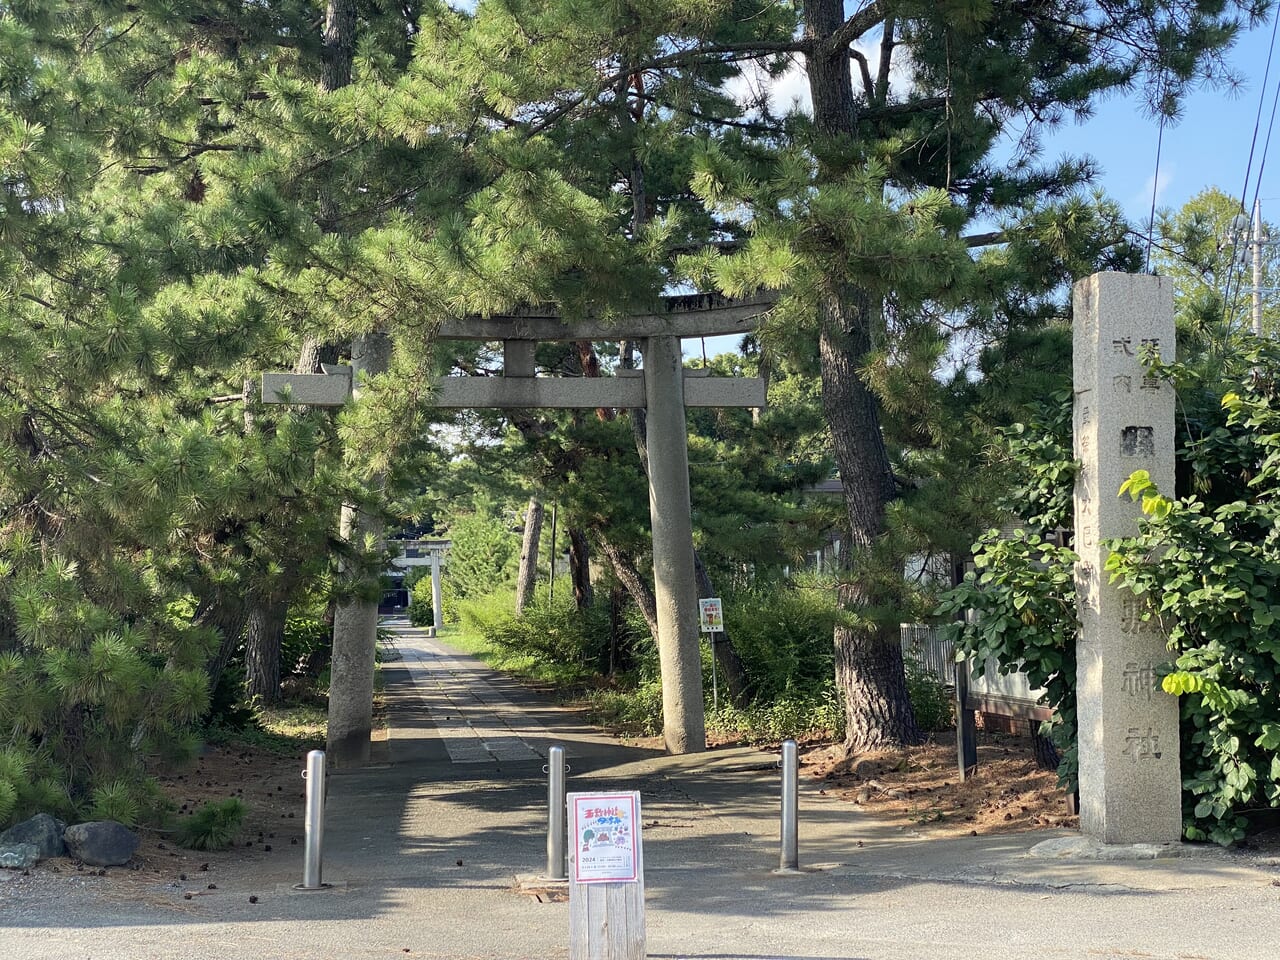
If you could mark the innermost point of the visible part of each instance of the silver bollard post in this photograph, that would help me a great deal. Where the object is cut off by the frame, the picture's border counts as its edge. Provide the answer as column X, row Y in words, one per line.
column 557, row 867
column 314, row 823
column 789, row 861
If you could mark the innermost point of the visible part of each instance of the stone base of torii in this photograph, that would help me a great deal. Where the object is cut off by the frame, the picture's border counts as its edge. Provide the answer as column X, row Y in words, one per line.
column 663, row 388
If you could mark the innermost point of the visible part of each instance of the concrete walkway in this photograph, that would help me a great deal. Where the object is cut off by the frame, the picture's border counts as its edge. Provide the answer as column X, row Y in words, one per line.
column 425, row 848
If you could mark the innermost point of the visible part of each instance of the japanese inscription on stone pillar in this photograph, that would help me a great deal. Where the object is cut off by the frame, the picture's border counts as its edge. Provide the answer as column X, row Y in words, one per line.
column 1130, row 789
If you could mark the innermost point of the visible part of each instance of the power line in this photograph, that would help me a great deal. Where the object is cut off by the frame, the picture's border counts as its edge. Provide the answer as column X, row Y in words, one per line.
column 1232, row 275
column 1257, row 123
column 1266, row 144
column 1155, row 190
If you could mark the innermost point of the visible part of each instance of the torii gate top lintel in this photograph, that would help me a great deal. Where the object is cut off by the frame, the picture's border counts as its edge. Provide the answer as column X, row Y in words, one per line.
column 682, row 315
column 685, row 315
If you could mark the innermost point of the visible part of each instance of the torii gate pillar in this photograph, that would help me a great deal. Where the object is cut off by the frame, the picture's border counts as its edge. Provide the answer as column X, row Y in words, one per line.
column 674, row 583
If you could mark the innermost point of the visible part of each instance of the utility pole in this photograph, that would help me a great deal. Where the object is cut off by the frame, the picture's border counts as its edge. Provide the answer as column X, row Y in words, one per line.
column 1250, row 232
column 1257, row 267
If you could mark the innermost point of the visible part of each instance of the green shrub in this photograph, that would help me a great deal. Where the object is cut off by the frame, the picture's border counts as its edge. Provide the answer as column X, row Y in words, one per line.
column 115, row 801
column 484, row 553
column 213, row 826
column 29, row 784
column 8, row 802
column 819, row 713
column 553, row 632
column 636, row 712
column 305, row 648
column 782, row 630
column 421, row 612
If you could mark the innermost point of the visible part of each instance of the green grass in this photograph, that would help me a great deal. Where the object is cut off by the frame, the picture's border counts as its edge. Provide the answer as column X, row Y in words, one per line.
column 460, row 638
column 521, row 666
column 295, row 722
column 283, row 730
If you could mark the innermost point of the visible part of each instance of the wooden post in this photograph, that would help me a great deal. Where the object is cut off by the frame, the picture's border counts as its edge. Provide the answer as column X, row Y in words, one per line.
column 606, row 916
column 966, row 725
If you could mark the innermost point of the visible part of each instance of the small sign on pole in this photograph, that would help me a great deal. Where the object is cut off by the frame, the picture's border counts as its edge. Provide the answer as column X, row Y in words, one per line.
column 711, row 622
column 711, row 615
column 606, row 877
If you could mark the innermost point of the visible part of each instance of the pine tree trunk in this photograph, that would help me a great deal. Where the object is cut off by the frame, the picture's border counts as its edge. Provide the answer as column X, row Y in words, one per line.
column 580, row 568
column 226, row 614
column 619, row 650
column 869, row 667
column 264, row 634
column 624, row 568
column 528, row 575
column 339, row 43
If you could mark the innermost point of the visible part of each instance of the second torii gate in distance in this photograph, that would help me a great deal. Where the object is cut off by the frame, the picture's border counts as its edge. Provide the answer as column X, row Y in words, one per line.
column 662, row 387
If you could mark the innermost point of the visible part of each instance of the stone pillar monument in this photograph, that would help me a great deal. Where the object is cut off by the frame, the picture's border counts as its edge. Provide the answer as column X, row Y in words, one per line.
column 1130, row 784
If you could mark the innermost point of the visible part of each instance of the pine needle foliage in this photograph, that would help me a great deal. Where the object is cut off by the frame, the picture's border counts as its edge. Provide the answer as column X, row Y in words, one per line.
column 213, row 826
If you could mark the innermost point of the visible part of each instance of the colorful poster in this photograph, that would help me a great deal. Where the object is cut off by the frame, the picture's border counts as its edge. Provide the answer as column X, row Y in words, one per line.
column 605, row 829
column 711, row 615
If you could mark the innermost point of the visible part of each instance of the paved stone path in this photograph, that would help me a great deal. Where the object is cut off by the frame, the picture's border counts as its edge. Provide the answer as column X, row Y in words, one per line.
column 476, row 723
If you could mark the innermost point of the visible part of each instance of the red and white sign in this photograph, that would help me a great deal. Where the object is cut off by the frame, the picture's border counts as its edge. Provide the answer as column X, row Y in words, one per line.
column 605, row 831
column 711, row 615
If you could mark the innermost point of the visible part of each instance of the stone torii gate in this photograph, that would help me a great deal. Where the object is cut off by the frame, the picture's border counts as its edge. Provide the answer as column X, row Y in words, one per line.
column 663, row 387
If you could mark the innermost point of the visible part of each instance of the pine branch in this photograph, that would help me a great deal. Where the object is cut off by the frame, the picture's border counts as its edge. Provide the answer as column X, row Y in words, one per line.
column 886, row 57
column 865, row 69
column 857, row 25
column 985, row 239
column 194, row 151
column 905, row 108
column 747, row 125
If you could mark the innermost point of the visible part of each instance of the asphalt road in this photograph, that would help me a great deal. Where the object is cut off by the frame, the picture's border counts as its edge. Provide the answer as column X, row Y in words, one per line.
column 461, row 780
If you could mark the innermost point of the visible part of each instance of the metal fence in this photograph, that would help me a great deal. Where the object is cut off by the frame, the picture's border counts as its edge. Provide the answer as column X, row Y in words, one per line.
column 921, row 643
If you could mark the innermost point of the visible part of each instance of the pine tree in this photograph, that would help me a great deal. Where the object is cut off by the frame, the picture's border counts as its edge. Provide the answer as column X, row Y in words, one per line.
column 858, row 212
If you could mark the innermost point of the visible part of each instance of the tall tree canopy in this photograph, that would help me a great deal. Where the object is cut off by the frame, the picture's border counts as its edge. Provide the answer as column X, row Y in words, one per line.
column 191, row 189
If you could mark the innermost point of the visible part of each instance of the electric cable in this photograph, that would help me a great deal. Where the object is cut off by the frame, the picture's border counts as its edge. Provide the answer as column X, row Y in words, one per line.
column 1266, row 145
column 1238, row 263
column 1244, row 190
column 1155, row 190
column 1257, row 122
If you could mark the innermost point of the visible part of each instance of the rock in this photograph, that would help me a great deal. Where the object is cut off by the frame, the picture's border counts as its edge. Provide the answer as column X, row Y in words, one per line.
column 42, row 831
column 101, row 843
column 18, row 856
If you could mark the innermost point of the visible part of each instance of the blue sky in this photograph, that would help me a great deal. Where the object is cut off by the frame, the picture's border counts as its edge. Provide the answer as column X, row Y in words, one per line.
column 1208, row 146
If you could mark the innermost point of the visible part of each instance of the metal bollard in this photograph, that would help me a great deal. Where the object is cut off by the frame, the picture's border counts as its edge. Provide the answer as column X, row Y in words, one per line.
column 557, row 866
column 789, row 861
column 314, row 824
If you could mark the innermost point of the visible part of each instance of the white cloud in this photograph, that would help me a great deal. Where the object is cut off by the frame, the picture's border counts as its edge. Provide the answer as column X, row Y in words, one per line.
column 1158, row 186
column 783, row 93
column 790, row 90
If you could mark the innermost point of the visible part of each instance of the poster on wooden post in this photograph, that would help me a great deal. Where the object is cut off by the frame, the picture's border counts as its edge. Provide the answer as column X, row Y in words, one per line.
column 606, row 877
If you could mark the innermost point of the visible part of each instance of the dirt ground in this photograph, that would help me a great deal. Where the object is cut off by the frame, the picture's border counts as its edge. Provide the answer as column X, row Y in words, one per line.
column 918, row 788
column 271, row 787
